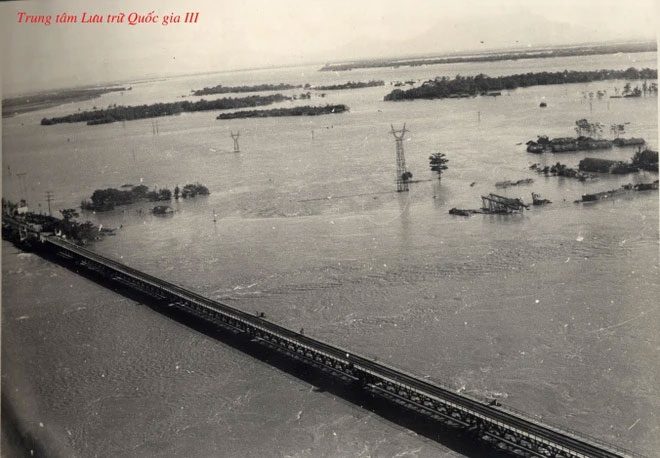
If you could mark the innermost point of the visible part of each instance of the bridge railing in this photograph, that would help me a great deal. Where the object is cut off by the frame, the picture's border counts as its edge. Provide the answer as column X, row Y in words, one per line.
column 175, row 289
column 578, row 434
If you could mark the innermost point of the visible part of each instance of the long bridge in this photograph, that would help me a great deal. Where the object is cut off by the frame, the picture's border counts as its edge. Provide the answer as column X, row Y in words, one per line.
column 505, row 430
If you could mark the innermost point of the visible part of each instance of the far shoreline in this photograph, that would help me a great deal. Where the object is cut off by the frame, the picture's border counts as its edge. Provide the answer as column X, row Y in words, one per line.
column 538, row 52
column 15, row 104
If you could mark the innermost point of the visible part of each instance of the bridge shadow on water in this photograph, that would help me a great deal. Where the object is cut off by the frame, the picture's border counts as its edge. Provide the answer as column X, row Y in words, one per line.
column 324, row 383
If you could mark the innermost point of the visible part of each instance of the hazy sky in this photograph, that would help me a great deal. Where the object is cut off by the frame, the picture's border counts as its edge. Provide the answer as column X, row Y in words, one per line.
column 234, row 34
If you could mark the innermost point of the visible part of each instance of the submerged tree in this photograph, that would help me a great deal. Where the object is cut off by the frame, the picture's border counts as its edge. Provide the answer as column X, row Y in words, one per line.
column 584, row 127
column 618, row 129
column 438, row 163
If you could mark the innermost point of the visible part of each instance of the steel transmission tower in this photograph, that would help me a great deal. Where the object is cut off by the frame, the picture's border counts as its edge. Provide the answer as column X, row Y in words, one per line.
column 49, row 198
column 234, row 137
column 402, row 174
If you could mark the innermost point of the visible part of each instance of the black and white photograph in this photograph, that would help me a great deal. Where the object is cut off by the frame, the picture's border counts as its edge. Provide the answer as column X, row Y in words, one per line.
column 330, row 228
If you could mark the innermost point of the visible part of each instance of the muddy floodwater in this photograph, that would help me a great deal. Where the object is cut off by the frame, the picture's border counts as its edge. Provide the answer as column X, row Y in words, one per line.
column 551, row 312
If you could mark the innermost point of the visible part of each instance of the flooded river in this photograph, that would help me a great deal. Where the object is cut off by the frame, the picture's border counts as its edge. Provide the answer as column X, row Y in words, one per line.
column 551, row 311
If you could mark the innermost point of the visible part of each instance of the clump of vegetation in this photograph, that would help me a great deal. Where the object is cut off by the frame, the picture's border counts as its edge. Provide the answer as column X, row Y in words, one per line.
column 350, row 85
column 444, row 87
column 438, row 163
column 584, row 127
column 159, row 194
column 129, row 113
column 646, row 160
column 192, row 190
column 293, row 111
column 108, row 199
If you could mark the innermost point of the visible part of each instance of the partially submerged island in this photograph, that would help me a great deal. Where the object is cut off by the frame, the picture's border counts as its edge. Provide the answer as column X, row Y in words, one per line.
column 470, row 86
column 589, row 138
column 593, row 164
column 109, row 198
column 292, row 111
column 220, row 89
column 350, row 85
column 129, row 113
column 587, row 168
column 543, row 144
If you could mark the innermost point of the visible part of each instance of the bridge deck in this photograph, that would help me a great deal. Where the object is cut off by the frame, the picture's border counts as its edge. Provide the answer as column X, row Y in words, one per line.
column 505, row 429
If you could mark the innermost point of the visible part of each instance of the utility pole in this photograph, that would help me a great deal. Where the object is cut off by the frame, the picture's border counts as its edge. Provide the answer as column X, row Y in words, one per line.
column 234, row 137
column 401, row 171
column 49, row 199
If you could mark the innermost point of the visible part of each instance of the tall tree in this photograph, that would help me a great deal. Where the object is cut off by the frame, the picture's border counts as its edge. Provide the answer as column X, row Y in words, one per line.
column 438, row 163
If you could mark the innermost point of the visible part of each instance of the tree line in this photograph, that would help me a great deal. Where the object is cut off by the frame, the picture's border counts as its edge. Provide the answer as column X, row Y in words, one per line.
column 220, row 89
column 443, row 87
column 351, row 85
column 129, row 113
column 585, row 50
column 293, row 111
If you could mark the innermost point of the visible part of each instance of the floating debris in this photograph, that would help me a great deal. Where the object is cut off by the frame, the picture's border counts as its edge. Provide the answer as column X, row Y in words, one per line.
column 492, row 203
column 463, row 212
column 625, row 189
column 506, row 184
column 561, row 170
column 536, row 200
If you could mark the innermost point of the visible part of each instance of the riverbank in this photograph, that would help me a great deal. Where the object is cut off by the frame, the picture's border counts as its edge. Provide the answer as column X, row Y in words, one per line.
column 23, row 104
